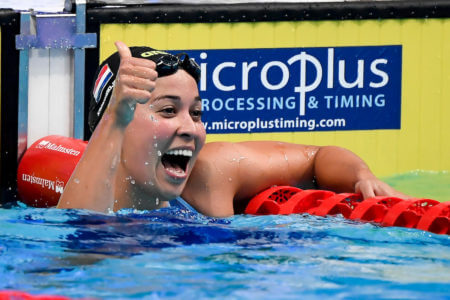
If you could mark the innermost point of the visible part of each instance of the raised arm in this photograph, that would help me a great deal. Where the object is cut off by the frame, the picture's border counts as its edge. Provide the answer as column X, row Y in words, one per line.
column 91, row 185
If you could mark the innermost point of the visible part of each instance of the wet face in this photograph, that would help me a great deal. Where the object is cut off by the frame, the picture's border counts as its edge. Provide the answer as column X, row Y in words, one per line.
column 162, row 142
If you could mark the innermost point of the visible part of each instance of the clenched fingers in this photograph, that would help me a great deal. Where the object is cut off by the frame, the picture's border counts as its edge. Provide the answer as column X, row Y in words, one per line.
column 136, row 76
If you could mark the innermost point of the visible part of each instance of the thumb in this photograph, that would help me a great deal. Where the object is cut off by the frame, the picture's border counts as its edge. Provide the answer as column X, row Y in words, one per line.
column 122, row 48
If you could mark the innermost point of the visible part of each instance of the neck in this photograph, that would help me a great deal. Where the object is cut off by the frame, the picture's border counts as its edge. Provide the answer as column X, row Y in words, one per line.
column 130, row 194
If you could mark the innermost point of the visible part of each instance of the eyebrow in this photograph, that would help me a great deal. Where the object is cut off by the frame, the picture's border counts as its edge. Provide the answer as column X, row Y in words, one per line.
column 176, row 98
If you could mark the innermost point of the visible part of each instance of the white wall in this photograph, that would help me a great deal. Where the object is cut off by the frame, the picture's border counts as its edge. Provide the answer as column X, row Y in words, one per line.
column 50, row 93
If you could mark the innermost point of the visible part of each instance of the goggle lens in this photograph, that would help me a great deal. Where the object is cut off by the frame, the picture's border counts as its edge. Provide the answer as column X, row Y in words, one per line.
column 169, row 64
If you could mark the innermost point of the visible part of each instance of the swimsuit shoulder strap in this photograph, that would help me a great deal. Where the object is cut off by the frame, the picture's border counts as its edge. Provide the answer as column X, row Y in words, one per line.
column 181, row 203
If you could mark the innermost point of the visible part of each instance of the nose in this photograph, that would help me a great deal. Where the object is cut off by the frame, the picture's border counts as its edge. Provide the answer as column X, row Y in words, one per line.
column 187, row 126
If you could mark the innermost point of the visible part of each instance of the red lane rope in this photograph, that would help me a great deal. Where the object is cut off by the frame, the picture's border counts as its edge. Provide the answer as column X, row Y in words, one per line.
column 19, row 295
column 425, row 214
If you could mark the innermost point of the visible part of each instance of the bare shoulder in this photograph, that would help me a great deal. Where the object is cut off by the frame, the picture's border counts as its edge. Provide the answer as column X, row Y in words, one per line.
column 228, row 174
column 210, row 188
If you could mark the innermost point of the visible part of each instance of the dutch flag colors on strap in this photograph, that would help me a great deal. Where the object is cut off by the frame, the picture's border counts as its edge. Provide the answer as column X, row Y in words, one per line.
column 103, row 77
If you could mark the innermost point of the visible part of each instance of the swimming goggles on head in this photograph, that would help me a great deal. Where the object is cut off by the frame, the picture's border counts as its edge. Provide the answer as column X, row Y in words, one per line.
column 169, row 64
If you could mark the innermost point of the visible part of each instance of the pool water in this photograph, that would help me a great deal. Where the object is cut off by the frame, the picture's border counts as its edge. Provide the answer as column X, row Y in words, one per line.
column 175, row 254
column 421, row 184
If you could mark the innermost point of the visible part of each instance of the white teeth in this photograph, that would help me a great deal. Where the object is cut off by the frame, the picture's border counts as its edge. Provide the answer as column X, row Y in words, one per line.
column 187, row 153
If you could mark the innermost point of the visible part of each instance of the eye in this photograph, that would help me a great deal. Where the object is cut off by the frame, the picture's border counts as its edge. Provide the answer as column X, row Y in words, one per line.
column 168, row 111
column 197, row 114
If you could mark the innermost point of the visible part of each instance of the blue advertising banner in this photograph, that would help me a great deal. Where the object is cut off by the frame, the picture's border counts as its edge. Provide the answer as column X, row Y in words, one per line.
column 300, row 89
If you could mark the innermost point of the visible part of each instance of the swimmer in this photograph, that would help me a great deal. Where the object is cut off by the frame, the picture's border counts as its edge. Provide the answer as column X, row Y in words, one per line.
column 148, row 147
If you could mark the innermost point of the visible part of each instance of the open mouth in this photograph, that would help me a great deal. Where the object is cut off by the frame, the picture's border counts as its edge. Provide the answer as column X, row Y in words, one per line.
column 176, row 161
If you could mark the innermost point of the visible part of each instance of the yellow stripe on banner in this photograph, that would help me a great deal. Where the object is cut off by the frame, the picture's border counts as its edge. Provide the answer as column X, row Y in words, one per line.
column 431, row 82
column 444, row 112
column 109, row 34
column 423, row 142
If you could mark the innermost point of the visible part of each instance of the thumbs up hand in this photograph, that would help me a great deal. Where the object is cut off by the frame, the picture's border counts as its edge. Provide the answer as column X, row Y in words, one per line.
column 135, row 80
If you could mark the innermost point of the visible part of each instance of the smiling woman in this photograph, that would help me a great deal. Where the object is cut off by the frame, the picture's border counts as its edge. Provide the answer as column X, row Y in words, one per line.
column 145, row 115
column 146, row 136
column 156, row 141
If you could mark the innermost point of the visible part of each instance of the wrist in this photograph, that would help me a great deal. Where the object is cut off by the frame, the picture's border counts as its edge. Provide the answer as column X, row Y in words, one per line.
column 120, row 113
column 109, row 128
column 124, row 113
